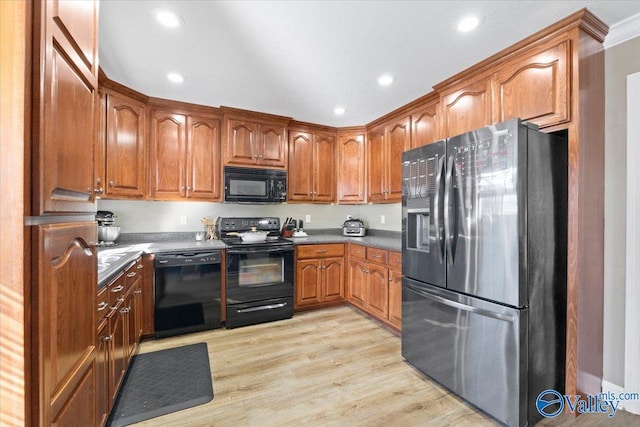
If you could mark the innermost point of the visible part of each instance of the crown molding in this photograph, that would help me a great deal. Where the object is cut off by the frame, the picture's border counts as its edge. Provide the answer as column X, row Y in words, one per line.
column 623, row 31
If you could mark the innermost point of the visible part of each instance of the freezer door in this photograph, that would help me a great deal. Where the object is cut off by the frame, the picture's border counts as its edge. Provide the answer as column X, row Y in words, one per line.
column 483, row 208
column 422, row 209
column 474, row 348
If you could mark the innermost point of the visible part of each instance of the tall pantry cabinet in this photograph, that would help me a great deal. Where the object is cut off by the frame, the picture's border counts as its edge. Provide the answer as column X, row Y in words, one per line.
column 60, row 217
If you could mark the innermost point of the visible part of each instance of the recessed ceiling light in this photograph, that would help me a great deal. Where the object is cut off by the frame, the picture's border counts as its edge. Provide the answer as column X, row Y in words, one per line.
column 338, row 111
column 468, row 23
column 168, row 18
column 175, row 77
column 385, row 80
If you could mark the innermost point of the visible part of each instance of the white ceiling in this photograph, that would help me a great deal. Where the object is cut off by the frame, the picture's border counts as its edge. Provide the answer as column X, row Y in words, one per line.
column 303, row 58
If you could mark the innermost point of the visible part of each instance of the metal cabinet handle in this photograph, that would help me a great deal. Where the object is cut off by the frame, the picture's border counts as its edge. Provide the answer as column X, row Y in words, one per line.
column 376, row 256
column 117, row 288
column 137, row 292
column 107, row 338
column 140, row 267
column 98, row 190
column 103, row 305
column 125, row 310
column 321, row 251
column 133, row 273
column 121, row 299
column 112, row 183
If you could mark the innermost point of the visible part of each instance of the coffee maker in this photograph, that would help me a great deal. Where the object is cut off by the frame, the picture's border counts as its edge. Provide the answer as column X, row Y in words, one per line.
column 107, row 232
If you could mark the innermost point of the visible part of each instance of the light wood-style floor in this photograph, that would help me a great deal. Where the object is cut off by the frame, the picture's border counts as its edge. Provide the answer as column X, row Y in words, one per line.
column 330, row 367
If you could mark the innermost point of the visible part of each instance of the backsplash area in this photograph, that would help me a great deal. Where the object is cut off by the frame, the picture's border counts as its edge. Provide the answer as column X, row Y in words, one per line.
column 149, row 216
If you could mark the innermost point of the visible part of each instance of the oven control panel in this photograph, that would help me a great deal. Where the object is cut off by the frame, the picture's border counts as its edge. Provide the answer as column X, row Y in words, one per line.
column 245, row 224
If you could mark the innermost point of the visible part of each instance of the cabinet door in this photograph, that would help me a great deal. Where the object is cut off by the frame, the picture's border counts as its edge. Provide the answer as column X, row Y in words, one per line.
column 357, row 282
column 395, row 298
column 273, row 145
column 351, row 168
column 119, row 350
column 125, row 161
column 424, row 125
column 535, row 87
column 168, row 155
column 467, row 108
column 65, row 126
column 378, row 291
column 64, row 319
column 398, row 140
column 79, row 409
column 103, row 348
column 376, row 166
column 333, row 280
column 308, row 282
column 204, row 169
column 300, row 166
column 241, row 145
column 324, row 175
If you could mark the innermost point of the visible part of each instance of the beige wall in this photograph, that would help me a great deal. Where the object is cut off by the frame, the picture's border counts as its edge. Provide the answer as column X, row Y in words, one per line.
column 620, row 61
column 146, row 217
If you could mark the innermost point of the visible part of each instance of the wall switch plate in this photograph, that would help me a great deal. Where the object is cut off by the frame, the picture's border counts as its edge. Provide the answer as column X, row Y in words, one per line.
column 183, row 220
column 382, row 219
column 307, row 218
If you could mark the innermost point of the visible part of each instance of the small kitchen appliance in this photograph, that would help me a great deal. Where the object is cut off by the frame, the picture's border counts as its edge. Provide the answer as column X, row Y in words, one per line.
column 353, row 228
column 107, row 232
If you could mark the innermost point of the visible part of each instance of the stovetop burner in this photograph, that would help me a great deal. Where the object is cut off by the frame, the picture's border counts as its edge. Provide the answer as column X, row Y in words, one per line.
column 243, row 224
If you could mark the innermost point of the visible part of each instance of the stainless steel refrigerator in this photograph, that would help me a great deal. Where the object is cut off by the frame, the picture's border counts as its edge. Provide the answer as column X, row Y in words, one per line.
column 484, row 263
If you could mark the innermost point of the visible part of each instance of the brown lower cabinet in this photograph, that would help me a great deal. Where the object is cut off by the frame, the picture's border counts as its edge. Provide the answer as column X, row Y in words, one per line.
column 319, row 275
column 119, row 331
column 374, row 283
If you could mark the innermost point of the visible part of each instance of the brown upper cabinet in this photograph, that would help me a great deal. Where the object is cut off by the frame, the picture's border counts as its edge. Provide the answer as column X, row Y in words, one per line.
column 64, row 109
column 121, row 168
column 535, row 86
column 312, row 174
column 466, row 107
column 385, row 145
column 351, row 167
column 255, row 139
column 425, row 128
column 185, row 157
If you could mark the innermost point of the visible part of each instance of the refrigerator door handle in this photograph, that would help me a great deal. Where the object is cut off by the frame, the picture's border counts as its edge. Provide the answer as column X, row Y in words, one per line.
column 447, row 214
column 461, row 306
column 436, row 208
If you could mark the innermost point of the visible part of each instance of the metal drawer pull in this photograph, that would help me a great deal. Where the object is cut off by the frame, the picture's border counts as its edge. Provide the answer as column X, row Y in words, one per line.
column 133, row 273
column 140, row 267
column 107, row 338
column 377, row 256
column 117, row 288
column 137, row 292
column 125, row 310
column 321, row 251
column 262, row 307
column 102, row 306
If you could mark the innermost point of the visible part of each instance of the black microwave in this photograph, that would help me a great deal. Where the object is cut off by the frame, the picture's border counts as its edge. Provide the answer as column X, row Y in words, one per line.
column 252, row 185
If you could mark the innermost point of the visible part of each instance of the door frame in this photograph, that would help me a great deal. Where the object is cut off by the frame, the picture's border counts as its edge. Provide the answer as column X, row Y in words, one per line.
column 632, row 314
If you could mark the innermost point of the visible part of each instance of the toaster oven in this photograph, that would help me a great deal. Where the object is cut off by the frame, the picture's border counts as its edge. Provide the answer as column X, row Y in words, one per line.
column 353, row 228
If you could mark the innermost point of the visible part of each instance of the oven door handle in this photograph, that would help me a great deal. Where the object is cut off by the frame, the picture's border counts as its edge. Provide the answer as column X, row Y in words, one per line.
column 259, row 250
column 262, row 307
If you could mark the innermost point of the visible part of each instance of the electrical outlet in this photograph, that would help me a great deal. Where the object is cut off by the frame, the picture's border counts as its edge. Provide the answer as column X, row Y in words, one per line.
column 307, row 219
column 183, row 220
column 382, row 219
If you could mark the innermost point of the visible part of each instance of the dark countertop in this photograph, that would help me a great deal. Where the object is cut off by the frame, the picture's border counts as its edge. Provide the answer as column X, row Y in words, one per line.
column 381, row 242
column 112, row 260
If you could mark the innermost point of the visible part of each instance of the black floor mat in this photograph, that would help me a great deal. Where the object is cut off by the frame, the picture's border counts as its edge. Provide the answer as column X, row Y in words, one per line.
column 162, row 382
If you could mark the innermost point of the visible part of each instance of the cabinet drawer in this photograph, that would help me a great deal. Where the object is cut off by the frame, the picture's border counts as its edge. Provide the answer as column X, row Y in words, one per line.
column 358, row 251
column 103, row 305
column 133, row 272
column 320, row 251
column 377, row 255
column 395, row 260
column 116, row 290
